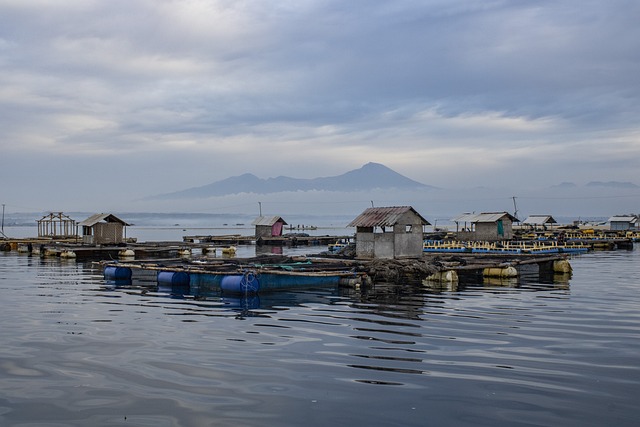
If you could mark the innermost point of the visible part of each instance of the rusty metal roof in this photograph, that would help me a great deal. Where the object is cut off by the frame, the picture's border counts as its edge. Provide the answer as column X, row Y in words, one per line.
column 268, row 220
column 384, row 217
column 96, row 218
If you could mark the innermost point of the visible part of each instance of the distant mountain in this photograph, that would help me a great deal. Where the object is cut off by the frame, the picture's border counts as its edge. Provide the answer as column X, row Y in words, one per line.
column 368, row 177
column 565, row 185
column 612, row 184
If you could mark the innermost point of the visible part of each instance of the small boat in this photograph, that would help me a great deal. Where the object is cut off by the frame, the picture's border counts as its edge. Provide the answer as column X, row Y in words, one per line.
column 337, row 246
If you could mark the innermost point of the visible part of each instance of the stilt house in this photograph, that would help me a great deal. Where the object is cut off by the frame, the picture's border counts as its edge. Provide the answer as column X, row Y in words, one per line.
column 103, row 229
column 268, row 226
column 389, row 232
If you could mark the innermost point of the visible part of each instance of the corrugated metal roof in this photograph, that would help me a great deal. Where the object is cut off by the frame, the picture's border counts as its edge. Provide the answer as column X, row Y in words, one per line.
column 623, row 218
column 96, row 218
column 484, row 217
column 268, row 220
column 467, row 217
column 539, row 220
column 383, row 217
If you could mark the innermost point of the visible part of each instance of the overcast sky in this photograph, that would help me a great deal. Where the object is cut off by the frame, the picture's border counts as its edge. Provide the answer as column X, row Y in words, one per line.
column 106, row 101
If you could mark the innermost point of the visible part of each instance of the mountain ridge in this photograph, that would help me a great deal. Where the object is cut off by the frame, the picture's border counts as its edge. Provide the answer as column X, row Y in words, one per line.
column 370, row 176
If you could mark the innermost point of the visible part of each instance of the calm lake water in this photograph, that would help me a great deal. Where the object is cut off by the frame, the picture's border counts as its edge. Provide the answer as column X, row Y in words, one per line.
column 77, row 351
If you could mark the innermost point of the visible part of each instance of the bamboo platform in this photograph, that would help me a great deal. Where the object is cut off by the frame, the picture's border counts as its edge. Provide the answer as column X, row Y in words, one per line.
column 294, row 240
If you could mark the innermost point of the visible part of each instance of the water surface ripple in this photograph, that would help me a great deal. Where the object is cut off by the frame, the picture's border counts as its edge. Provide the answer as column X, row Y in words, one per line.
column 78, row 351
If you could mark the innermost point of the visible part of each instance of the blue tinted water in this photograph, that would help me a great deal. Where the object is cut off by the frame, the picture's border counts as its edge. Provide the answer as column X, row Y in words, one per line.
column 77, row 351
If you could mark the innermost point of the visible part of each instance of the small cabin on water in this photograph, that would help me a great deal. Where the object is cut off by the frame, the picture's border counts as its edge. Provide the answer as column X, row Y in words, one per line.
column 268, row 226
column 389, row 232
column 103, row 229
column 539, row 221
column 487, row 226
column 623, row 222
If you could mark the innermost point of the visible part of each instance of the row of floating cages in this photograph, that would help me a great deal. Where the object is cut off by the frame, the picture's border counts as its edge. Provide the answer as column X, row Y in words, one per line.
column 519, row 247
column 246, row 283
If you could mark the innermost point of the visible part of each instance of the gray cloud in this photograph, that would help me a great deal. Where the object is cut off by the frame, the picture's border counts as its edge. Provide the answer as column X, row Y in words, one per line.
column 178, row 93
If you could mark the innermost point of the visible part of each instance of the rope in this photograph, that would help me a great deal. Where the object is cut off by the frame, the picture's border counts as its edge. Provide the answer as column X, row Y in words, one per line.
column 250, row 282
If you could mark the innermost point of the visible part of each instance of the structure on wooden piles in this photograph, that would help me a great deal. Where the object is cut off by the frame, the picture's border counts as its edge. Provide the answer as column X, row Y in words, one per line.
column 103, row 229
column 539, row 221
column 623, row 222
column 57, row 225
column 487, row 226
column 389, row 232
column 268, row 226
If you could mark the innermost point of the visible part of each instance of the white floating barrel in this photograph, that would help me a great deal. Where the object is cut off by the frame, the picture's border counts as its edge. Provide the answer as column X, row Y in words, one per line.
column 562, row 266
column 67, row 254
column 126, row 253
column 500, row 272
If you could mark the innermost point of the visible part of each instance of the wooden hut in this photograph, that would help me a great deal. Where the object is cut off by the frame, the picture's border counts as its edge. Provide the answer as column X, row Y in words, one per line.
column 268, row 226
column 57, row 225
column 487, row 226
column 389, row 232
column 103, row 229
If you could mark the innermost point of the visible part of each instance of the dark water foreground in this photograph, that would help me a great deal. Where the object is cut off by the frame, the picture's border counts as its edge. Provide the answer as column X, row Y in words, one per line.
column 76, row 351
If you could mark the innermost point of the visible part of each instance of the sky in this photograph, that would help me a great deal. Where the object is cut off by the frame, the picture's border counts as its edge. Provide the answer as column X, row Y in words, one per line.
column 105, row 102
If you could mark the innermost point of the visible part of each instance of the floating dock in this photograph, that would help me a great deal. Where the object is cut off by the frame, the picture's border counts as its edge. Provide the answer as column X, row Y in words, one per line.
column 296, row 239
column 270, row 272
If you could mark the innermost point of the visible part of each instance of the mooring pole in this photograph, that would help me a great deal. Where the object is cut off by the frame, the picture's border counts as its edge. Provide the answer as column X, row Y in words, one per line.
column 2, row 228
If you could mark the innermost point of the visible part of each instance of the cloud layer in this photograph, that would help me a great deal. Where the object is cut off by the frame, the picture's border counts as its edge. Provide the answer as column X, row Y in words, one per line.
column 104, row 101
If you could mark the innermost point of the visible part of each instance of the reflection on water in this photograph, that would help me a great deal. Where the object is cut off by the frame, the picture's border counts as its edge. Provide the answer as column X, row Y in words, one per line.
column 78, row 350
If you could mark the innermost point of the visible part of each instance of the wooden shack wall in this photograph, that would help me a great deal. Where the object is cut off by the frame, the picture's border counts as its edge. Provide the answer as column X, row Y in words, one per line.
column 263, row 231
column 108, row 233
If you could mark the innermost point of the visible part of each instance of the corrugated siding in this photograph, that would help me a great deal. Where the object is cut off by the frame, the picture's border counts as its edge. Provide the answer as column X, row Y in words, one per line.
column 539, row 220
column 483, row 217
column 465, row 218
column 93, row 220
column 268, row 220
column 631, row 219
column 383, row 217
column 96, row 218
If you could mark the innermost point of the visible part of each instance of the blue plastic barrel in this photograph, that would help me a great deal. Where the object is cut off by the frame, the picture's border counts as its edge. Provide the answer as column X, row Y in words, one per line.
column 174, row 278
column 240, row 284
column 117, row 273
